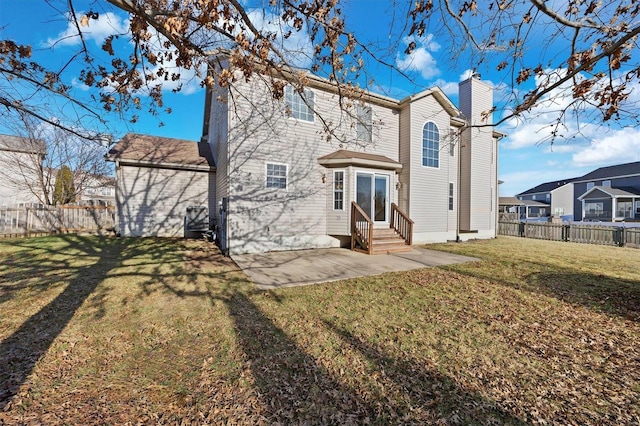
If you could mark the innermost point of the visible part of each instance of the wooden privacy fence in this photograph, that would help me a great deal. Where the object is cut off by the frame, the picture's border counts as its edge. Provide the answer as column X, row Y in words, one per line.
column 587, row 234
column 24, row 221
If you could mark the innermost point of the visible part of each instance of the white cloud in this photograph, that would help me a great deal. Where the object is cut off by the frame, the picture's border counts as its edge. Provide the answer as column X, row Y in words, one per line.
column 98, row 30
column 297, row 48
column 620, row 146
column 421, row 58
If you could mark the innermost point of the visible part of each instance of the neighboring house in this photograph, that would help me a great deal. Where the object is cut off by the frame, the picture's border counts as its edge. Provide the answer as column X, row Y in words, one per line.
column 97, row 188
column 609, row 193
column 543, row 196
column 606, row 194
column 20, row 159
column 158, row 181
column 281, row 185
column 524, row 209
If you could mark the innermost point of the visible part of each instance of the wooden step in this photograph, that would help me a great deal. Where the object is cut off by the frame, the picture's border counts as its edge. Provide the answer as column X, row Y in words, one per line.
column 394, row 247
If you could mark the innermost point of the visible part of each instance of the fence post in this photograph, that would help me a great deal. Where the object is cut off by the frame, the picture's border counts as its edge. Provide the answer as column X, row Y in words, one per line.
column 521, row 229
column 621, row 236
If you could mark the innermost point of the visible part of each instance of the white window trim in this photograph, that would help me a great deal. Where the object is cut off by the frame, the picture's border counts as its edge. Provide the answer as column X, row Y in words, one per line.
column 286, row 176
column 422, row 145
column 295, row 93
column 333, row 189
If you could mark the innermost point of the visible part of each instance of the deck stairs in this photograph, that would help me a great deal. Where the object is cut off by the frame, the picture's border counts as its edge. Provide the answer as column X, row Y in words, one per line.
column 388, row 240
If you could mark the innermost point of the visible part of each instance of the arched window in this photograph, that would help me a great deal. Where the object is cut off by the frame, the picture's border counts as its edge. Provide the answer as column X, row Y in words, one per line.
column 430, row 145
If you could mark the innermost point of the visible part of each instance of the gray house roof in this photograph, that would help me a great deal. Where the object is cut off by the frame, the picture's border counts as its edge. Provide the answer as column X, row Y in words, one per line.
column 509, row 201
column 613, row 192
column 547, row 186
column 618, row 170
column 21, row 144
column 156, row 151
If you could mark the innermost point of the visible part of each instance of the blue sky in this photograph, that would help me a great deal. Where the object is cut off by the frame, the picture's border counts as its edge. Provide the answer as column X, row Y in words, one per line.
column 524, row 161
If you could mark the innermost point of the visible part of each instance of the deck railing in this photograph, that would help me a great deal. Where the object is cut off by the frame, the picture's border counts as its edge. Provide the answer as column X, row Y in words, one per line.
column 361, row 230
column 401, row 223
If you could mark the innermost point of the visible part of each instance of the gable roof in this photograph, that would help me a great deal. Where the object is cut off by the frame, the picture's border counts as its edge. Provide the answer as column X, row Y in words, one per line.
column 156, row 151
column 625, row 169
column 21, row 144
column 343, row 157
column 509, row 201
column 547, row 186
column 612, row 192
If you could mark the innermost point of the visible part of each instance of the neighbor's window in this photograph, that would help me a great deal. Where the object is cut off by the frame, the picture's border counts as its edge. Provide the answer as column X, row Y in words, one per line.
column 450, row 195
column 624, row 209
column 606, row 183
column 364, row 122
column 430, row 145
column 590, row 185
column 298, row 108
column 276, row 176
column 338, row 190
column 547, row 197
column 594, row 209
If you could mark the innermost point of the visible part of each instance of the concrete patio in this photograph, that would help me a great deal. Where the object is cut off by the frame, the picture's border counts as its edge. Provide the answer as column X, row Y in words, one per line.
column 302, row 267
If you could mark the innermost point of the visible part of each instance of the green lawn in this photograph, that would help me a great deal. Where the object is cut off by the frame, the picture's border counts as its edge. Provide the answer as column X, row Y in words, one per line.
column 156, row 331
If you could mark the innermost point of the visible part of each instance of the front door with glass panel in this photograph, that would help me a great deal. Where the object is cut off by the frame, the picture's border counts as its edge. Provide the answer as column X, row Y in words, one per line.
column 372, row 195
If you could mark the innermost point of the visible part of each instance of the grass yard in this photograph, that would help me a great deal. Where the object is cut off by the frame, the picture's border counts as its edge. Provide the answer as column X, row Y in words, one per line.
column 156, row 331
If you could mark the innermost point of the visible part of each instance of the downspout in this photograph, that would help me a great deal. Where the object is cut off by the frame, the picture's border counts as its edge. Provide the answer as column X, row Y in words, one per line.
column 458, row 189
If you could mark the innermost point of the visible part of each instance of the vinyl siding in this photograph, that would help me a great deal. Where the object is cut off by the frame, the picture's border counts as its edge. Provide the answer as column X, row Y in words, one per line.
column 264, row 219
column 338, row 221
column 479, row 163
column 405, row 158
column 156, row 199
column 562, row 197
column 429, row 186
column 17, row 176
column 218, row 134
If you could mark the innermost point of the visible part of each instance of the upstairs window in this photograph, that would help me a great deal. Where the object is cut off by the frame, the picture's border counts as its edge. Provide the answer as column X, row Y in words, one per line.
column 276, row 176
column 590, row 185
column 430, row 145
column 606, row 183
column 364, row 122
column 300, row 108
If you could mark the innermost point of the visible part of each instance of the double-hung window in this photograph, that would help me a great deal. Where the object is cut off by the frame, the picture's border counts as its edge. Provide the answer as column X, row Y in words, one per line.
column 300, row 106
column 450, row 195
column 276, row 176
column 430, row 145
column 364, row 123
column 338, row 190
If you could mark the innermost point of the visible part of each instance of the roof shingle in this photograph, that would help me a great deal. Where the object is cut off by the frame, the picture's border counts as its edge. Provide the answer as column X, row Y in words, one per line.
column 160, row 151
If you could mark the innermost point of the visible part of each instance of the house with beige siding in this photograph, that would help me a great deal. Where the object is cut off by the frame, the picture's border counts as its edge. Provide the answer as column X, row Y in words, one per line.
column 394, row 173
column 20, row 163
column 160, row 184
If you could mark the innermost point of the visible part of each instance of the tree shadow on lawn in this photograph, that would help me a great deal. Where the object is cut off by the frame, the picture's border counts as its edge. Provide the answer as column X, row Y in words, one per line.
column 297, row 389
column 602, row 293
column 21, row 350
column 420, row 391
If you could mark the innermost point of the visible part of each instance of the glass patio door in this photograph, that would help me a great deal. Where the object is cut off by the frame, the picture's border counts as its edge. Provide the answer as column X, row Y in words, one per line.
column 372, row 195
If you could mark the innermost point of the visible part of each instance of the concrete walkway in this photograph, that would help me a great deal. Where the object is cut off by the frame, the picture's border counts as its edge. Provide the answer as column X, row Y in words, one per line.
column 302, row 267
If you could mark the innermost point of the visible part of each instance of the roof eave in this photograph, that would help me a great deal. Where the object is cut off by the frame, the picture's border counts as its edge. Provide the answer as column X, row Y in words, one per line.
column 337, row 162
